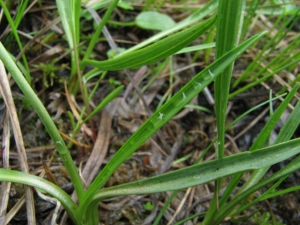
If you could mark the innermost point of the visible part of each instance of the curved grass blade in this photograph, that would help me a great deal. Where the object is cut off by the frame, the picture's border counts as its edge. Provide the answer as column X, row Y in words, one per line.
column 285, row 134
column 260, row 140
column 44, row 185
column 45, row 118
column 205, row 172
column 226, row 209
column 156, row 51
column 104, row 102
column 164, row 114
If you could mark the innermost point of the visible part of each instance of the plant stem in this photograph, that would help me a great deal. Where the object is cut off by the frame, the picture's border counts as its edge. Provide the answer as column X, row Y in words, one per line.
column 45, row 118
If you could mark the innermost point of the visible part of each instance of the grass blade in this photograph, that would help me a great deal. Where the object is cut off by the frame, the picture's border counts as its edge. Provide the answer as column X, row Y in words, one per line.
column 14, row 31
column 205, row 172
column 229, row 24
column 156, row 51
column 44, row 185
column 45, row 118
column 195, row 17
column 100, row 26
column 288, row 169
column 288, row 131
column 163, row 114
column 228, row 28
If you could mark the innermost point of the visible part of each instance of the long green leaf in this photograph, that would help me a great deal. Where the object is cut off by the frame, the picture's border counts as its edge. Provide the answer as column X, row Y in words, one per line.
column 164, row 114
column 154, row 52
column 205, row 172
column 45, row 118
column 229, row 24
column 262, row 138
column 284, row 135
column 46, row 186
column 228, row 27
column 288, row 169
column 69, row 15
column 199, row 14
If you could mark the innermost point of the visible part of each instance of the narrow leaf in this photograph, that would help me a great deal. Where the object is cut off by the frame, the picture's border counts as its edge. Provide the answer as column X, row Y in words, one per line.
column 205, row 172
column 44, row 185
column 164, row 114
column 156, row 51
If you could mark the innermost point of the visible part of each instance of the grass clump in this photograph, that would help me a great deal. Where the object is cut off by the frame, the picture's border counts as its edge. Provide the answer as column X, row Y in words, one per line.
column 166, row 96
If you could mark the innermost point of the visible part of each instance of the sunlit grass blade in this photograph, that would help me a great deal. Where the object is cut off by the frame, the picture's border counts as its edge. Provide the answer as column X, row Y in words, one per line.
column 156, row 51
column 69, row 15
column 196, row 48
column 165, row 113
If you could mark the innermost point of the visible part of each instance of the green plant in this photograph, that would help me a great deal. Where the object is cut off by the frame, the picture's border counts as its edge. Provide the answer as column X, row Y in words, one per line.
column 258, row 159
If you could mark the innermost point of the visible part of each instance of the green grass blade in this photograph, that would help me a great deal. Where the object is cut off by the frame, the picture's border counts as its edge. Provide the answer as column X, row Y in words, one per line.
column 265, row 132
column 290, row 126
column 45, row 118
column 261, row 197
column 280, row 192
column 228, row 28
column 284, row 135
column 253, row 5
column 20, row 12
column 262, row 79
column 288, row 169
column 156, row 51
column 164, row 208
column 105, row 101
column 196, row 48
column 252, row 109
column 69, row 11
column 14, row 31
column 229, row 24
column 205, row 172
column 268, row 49
column 235, row 180
column 97, row 33
column 164, row 114
column 64, row 9
column 287, row 130
column 46, row 186
column 195, row 17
